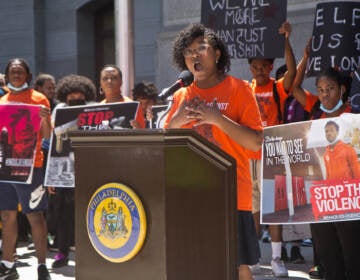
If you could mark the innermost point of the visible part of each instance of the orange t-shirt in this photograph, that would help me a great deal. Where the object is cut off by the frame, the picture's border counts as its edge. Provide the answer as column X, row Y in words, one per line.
column 139, row 114
column 266, row 102
column 341, row 162
column 311, row 99
column 267, row 105
column 236, row 101
column 32, row 97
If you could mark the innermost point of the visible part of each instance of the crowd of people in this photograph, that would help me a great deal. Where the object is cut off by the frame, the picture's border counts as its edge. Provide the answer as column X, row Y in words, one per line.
column 234, row 121
column 53, row 212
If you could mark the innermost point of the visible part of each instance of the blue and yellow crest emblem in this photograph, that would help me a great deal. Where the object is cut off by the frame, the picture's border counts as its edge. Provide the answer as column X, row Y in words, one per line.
column 116, row 222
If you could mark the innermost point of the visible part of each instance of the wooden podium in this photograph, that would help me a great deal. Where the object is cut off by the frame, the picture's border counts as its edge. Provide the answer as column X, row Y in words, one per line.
column 187, row 186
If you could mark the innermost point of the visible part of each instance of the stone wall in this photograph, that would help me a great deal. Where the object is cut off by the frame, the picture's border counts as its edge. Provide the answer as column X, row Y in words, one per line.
column 177, row 15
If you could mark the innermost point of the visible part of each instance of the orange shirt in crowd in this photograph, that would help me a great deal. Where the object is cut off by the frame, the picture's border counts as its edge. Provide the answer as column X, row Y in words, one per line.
column 341, row 162
column 236, row 101
column 310, row 101
column 32, row 97
column 267, row 105
column 266, row 102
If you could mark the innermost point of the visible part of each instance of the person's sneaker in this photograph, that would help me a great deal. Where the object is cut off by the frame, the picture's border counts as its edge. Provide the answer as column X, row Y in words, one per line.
column 8, row 273
column 265, row 237
column 278, row 268
column 60, row 260
column 31, row 246
column 255, row 269
column 295, row 255
column 52, row 245
column 316, row 272
column 43, row 273
column 53, row 248
column 307, row 242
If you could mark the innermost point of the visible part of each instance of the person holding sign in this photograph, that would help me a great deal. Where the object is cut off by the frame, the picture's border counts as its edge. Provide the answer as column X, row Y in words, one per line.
column 336, row 243
column 329, row 102
column 223, row 110
column 33, row 198
column 294, row 112
column 71, row 90
column 110, row 83
column 45, row 83
column 146, row 93
column 271, row 95
column 263, row 85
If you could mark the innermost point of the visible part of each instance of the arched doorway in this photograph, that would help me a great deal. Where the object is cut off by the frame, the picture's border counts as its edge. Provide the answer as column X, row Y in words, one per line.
column 104, row 38
column 96, row 37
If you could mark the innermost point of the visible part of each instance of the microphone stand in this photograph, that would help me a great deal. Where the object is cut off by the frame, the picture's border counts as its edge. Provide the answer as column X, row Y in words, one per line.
column 160, row 119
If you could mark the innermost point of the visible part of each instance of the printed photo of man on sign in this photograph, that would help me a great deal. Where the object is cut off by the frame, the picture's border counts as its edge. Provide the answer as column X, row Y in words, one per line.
column 311, row 171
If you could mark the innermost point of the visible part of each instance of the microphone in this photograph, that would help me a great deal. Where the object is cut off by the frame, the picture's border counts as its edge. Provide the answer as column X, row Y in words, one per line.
column 185, row 78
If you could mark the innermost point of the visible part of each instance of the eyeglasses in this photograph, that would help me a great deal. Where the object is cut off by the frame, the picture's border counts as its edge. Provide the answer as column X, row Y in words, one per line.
column 199, row 50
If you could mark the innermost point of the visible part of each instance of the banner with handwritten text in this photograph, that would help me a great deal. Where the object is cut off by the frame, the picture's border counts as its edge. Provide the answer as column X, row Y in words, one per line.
column 335, row 41
column 249, row 28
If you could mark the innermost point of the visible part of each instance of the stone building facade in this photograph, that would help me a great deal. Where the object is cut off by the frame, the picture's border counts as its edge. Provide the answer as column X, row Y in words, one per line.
column 77, row 36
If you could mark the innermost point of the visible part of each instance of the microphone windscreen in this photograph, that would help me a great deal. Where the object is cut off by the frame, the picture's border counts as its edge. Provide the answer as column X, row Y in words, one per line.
column 186, row 77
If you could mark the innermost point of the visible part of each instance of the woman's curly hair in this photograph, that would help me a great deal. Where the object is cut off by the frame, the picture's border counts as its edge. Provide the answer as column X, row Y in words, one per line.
column 188, row 35
column 75, row 83
column 146, row 90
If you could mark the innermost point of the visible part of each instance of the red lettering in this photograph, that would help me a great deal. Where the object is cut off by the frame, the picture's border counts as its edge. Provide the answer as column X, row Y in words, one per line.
column 90, row 117
column 82, row 119
column 94, row 118
column 99, row 117
column 109, row 115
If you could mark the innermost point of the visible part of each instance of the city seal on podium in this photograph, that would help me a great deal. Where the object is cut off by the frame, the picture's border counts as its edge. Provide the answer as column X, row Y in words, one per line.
column 116, row 222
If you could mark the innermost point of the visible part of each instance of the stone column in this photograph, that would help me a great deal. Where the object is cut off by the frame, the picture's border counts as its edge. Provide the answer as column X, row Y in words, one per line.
column 124, row 42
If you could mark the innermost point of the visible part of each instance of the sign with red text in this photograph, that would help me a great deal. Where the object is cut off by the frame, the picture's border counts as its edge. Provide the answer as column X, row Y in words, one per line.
column 19, row 129
column 335, row 199
column 311, row 171
column 335, row 41
column 60, row 164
